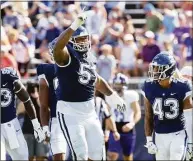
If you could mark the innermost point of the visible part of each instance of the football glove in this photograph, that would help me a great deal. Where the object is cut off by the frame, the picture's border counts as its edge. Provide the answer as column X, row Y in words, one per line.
column 46, row 132
column 152, row 148
column 38, row 132
column 80, row 20
column 116, row 101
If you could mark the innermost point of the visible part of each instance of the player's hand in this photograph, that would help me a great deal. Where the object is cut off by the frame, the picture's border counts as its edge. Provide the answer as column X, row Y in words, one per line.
column 47, row 133
column 189, row 153
column 152, row 148
column 128, row 127
column 38, row 132
column 80, row 20
column 116, row 136
column 116, row 101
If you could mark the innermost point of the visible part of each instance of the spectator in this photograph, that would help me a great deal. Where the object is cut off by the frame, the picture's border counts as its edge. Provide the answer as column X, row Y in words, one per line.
column 38, row 151
column 4, row 38
column 187, row 5
column 66, row 16
column 51, row 33
column 182, row 29
column 20, row 7
column 170, row 20
column 10, row 18
column 189, row 18
column 168, row 46
column 150, row 50
column 30, row 33
column 128, row 26
column 115, row 5
column 95, row 43
column 42, row 26
column 7, row 60
column 112, row 33
column 153, row 18
column 97, row 19
column 187, row 49
column 37, row 7
column 106, row 63
column 128, row 57
column 162, row 36
column 21, row 51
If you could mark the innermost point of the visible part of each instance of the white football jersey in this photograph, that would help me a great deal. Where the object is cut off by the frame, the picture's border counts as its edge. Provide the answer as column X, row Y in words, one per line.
column 129, row 96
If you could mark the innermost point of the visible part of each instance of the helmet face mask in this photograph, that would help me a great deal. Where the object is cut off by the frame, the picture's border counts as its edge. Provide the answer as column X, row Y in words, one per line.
column 81, row 43
column 162, row 67
column 157, row 72
column 80, row 40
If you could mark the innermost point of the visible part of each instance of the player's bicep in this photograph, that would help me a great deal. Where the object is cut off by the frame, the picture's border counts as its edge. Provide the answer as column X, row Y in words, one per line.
column 61, row 56
column 187, row 103
column 43, row 92
column 20, row 91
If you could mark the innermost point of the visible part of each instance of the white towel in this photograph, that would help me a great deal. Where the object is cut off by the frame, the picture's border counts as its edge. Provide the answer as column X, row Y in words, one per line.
column 11, row 135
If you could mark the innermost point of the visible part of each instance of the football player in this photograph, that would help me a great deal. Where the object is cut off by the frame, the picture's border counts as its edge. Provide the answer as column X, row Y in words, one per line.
column 11, row 134
column 165, row 100
column 77, row 82
column 186, row 73
column 125, row 121
column 48, row 84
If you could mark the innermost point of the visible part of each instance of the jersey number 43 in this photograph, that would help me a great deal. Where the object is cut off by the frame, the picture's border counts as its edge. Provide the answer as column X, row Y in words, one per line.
column 171, row 103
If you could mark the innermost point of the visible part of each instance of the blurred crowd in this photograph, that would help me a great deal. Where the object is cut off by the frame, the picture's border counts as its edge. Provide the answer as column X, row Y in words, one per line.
column 117, row 44
column 28, row 27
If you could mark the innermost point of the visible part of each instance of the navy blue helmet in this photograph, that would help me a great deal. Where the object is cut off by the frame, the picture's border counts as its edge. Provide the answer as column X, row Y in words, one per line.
column 162, row 66
column 80, row 40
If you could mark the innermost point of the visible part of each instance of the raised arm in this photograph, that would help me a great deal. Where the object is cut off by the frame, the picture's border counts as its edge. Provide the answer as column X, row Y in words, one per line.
column 60, row 51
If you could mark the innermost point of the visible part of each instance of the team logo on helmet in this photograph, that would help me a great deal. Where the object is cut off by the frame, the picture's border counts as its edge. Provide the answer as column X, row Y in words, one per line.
column 81, row 45
column 162, row 66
